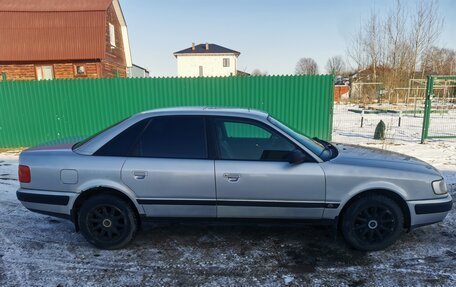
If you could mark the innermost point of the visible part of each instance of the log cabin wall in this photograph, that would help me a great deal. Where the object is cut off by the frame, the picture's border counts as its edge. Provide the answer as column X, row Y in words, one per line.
column 66, row 70
column 115, row 55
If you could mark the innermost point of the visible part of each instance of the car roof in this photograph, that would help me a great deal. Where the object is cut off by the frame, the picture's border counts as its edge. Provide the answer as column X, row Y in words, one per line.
column 207, row 110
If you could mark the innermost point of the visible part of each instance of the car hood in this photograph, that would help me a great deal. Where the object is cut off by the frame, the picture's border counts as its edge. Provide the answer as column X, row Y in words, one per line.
column 353, row 153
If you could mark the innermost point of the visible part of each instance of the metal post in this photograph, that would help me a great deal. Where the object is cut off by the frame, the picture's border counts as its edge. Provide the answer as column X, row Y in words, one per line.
column 427, row 108
column 117, row 74
column 3, row 76
column 362, row 118
column 400, row 118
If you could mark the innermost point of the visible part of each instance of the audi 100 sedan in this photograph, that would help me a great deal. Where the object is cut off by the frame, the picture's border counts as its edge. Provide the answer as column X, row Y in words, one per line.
column 227, row 164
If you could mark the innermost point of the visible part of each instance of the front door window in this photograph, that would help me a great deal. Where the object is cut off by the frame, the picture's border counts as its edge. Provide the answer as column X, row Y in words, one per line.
column 246, row 140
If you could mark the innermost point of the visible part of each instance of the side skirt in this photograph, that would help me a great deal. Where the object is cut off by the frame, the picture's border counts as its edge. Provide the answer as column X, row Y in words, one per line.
column 240, row 221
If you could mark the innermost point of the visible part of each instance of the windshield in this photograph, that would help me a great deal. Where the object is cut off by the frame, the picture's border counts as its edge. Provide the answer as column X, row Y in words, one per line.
column 314, row 146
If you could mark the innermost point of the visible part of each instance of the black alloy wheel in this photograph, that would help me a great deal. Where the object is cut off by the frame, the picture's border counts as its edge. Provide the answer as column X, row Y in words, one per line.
column 107, row 222
column 372, row 223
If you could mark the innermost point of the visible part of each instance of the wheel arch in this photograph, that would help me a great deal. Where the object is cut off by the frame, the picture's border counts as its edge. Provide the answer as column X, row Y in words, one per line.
column 384, row 192
column 98, row 190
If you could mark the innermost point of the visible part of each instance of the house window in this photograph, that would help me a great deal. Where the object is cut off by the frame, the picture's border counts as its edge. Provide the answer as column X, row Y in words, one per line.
column 44, row 73
column 80, row 70
column 112, row 35
column 226, row 62
column 201, row 74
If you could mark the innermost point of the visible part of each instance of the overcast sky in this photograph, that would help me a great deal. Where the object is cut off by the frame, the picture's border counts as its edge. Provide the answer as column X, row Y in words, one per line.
column 271, row 35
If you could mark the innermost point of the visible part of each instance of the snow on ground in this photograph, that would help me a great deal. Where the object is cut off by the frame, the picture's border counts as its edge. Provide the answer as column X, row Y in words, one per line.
column 38, row 250
column 404, row 139
column 348, row 124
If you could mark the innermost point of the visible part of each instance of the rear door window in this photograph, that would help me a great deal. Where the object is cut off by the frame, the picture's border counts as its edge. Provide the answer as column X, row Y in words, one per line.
column 174, row 137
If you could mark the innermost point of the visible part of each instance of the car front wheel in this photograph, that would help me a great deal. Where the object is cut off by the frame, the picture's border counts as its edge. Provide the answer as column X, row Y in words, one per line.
column 107, row 222
column 372, row 223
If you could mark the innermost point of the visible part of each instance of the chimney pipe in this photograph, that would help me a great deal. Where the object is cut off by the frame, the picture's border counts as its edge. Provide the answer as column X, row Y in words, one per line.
column 193, row 46
column 207, row 46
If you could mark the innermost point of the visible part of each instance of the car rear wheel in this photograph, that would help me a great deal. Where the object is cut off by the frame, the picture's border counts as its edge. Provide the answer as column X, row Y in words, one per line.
column 372, row 223
column 107, row 222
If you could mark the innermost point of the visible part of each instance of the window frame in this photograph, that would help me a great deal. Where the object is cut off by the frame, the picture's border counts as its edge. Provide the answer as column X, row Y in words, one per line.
column 151, row 119
column 112, row 34
column 216, row 147
column 76, row 70
column 226, row 62
column 210, row 152
column 40, row 67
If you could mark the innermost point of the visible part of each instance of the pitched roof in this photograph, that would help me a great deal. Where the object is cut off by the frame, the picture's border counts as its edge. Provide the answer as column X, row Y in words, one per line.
column 47, row 30
column 213, row 49
column 53, row 5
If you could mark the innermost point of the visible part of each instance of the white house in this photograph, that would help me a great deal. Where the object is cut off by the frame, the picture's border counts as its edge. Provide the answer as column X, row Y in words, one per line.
column 206, row 60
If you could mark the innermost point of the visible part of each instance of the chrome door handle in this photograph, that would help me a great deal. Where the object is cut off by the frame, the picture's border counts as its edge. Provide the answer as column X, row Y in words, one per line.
column 232, row 177
column 139, row 174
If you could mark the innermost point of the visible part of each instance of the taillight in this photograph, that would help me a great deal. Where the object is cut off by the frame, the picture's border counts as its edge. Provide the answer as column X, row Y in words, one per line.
column 24, row 174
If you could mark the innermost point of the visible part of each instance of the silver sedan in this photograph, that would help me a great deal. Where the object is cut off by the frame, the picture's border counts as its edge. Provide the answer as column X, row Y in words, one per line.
column 227, row 164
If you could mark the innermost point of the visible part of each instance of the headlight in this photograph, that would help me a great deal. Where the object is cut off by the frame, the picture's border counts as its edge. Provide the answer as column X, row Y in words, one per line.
column 439, row 187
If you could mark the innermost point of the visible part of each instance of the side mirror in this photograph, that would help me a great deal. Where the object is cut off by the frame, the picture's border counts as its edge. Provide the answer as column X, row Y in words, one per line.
column 297, row 157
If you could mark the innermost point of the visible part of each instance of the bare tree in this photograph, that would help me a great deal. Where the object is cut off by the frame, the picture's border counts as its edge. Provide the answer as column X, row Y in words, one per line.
column 366, row 48
column 356, row 52
column 426, row 28
column 440, row 61
column 391, row 47
column 335, row 65
column 306, row 66
column 372, row 43
column 397, row 48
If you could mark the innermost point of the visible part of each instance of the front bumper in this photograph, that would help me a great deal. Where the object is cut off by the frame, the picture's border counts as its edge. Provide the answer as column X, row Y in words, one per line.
column 47, row 202
column 424, row 212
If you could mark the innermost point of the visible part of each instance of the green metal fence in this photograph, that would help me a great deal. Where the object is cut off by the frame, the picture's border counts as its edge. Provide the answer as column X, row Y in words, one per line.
column 33, row 113
column 439, row 121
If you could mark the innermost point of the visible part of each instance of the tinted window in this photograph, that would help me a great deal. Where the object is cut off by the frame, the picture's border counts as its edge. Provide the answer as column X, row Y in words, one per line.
column 316, row 147
column 123, row 143
column 174, row 137
column 79, row 144
column 248, row 140
column 244, row 130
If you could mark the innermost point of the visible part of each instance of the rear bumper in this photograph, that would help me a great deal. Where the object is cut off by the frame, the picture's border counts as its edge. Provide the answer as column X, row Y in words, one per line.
column 424, row 212
column 47, row 202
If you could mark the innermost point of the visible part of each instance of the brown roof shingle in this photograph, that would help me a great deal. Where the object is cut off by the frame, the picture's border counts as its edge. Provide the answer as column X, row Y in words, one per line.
column 53, row 5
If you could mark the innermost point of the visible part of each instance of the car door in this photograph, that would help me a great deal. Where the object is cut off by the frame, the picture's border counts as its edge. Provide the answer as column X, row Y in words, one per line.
column 254, row 178
column 169, row 171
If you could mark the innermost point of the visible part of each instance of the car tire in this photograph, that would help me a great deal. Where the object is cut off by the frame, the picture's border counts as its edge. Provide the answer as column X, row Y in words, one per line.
column 372, row 223
column 107, row 222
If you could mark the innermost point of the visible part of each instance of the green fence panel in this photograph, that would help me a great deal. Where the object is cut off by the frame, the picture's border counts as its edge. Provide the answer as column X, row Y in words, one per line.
column 33, row 113
column 439, row 120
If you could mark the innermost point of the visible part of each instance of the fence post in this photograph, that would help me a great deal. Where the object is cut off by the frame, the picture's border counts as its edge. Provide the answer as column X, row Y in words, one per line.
column 362, row 118
column 427, row 108
column 117, row 74
column 3, row 76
